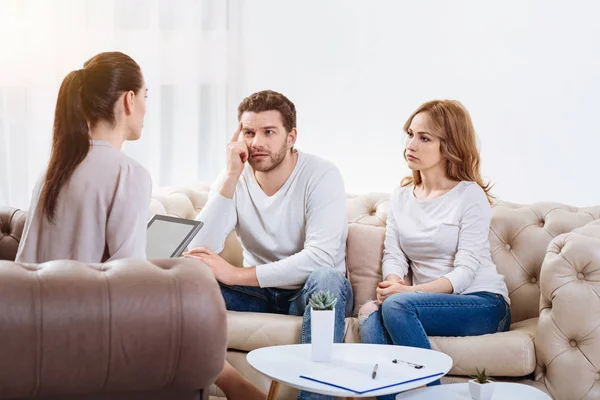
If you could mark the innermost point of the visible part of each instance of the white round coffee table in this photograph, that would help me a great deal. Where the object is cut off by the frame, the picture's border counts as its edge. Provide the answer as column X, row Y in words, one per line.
column 292, row 365
column 460, row 391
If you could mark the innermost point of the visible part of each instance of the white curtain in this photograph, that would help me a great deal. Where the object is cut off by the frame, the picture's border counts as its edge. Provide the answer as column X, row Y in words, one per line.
column 189, row 52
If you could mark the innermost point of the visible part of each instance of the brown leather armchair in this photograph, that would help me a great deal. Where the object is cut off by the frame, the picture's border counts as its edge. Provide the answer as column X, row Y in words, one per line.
column 128, row 329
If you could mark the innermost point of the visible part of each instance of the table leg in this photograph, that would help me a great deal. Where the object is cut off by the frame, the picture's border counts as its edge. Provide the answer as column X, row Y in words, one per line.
column 273, row 390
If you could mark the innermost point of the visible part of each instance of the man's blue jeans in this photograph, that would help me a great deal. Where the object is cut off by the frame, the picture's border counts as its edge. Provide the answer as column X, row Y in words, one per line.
column 406, row 319
column 294, row 302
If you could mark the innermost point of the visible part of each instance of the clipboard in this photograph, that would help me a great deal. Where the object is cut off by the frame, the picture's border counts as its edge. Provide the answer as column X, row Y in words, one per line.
column 357, row 377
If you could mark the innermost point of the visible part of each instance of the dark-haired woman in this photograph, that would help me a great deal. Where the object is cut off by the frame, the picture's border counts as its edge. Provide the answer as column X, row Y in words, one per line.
column 91, row 204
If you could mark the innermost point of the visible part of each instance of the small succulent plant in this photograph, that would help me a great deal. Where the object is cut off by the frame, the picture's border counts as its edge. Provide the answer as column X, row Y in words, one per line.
column 322, row 301
column 482, row 377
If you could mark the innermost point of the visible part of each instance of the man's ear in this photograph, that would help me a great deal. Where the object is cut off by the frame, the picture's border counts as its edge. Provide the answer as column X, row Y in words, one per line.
column 128, row 102
column 291, row 137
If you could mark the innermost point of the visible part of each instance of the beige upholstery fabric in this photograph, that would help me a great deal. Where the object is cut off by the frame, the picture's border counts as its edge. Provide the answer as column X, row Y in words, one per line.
column 519, row 237
column 369, row 209
column 364, row 250
column 186, row 202
column 569, row 329
column 248, row 331
column 512, row 352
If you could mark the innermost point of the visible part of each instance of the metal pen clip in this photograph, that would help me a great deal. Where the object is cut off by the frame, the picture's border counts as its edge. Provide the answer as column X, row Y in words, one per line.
column 417, row 366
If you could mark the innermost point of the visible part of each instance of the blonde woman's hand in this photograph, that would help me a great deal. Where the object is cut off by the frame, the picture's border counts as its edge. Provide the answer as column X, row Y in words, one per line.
column 386, row 288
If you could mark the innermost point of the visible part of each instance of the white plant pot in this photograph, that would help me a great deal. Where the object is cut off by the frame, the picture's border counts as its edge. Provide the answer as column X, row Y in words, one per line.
column 481, row 391
column 321, row 333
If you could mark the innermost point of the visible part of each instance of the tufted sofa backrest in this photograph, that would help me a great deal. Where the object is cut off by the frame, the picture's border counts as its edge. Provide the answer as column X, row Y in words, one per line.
column 519, row 234
column 519, row 238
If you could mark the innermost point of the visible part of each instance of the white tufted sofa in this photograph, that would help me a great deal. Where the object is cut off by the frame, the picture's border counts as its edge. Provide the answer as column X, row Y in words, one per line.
column 554, row 341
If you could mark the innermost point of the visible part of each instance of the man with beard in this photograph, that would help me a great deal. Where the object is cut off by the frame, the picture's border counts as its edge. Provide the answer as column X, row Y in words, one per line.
column 289, row 213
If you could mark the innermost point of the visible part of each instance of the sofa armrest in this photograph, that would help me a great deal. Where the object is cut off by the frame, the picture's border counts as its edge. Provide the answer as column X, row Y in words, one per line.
column 12, row 223
column 128, row 325
column 568, row 334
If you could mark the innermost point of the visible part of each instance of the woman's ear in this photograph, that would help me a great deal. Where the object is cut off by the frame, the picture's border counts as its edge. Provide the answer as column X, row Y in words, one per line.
column 129, row 102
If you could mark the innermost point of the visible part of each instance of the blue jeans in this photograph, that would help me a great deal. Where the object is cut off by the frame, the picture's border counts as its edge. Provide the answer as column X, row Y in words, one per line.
column 294, row 302
column 406, row 319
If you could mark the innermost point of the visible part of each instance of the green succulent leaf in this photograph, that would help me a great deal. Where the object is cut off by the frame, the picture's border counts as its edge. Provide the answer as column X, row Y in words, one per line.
column 322, row 301
column 482, row 377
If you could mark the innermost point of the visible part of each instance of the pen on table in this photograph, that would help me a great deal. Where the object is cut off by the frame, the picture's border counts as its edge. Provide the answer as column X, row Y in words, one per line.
column 374, row 374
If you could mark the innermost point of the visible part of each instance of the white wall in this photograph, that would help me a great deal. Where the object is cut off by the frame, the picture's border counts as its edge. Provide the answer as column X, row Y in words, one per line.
column 528, row 71
column 188, row 55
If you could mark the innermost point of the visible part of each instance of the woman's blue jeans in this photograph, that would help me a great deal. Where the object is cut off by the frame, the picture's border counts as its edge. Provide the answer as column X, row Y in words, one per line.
column 406, row 319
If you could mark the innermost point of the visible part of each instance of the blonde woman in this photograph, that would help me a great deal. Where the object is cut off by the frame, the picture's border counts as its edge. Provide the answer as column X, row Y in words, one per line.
column 437, row 228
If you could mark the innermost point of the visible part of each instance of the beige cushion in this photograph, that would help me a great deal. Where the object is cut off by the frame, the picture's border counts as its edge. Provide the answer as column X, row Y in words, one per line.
column 519, row 236
column 568, row 335
column 367, row 209
column 363, row 260
column 250, row 331
column 509, row 353
column 232, row 251
column 513, row 352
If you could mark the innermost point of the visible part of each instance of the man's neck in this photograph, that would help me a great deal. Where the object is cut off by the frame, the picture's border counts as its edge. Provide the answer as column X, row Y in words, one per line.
column 270, row 182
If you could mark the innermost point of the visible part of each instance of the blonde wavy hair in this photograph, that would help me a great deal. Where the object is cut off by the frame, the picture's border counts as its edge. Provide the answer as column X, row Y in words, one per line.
column 451, row 123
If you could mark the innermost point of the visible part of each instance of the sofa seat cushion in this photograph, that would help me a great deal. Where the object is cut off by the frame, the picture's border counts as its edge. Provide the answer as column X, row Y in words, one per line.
column 509, row 354
column 249, row 331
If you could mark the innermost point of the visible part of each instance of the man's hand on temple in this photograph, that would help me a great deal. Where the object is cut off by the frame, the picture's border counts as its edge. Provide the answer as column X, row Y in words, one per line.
column 237, row 155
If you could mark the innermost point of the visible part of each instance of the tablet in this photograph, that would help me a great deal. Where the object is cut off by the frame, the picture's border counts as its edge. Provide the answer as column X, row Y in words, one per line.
column 168, row 237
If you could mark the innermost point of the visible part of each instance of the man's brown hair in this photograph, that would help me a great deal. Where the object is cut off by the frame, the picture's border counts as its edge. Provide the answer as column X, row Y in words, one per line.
column 268, row 100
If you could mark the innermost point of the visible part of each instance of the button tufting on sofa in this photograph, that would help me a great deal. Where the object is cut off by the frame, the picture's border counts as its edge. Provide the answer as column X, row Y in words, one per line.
column 580, row 275
column 533, row 279
column 572, row 343
column 507, row 247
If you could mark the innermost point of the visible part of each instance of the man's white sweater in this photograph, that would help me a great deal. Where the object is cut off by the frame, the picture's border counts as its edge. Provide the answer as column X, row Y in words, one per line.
column 286, row 236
